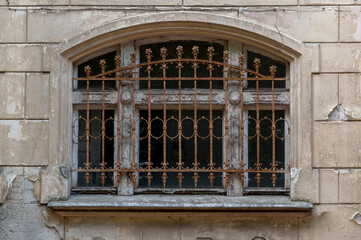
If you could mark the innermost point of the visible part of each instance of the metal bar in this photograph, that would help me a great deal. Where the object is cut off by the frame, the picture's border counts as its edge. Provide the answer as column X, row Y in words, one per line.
column 266, row 78
column 87, row 70
column 102, row 165
column 186, row 60
column 176, row 170
column 195, row 50
column 274, row 177
column 118, row 75
column 180, row 163
column 148, row 53
column 257, row 64
column 210, row 68
column 133, row 56
column 164, row 164
column 241, row 75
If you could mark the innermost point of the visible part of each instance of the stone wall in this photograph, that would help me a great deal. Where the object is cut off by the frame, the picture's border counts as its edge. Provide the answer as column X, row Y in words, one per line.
column 35, row 36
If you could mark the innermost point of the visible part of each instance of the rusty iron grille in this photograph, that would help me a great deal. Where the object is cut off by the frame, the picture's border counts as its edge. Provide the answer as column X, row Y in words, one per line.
column 129, row 75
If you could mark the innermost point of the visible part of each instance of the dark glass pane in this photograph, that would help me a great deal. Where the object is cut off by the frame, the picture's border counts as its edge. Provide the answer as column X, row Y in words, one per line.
column 187, row 71
column 95, row 69
column 266, row 63
column 187, row 148
column 265, row 151
column 95, row 147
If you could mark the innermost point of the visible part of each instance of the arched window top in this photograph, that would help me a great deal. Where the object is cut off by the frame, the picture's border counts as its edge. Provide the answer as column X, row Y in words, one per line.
column 188, row 25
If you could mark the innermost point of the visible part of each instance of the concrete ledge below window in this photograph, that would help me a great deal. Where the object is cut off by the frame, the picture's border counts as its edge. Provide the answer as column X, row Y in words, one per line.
column 180, row 204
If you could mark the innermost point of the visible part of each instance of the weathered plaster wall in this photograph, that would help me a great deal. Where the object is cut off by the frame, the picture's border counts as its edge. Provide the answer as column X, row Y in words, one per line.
column 173, row 228
column 327, row 170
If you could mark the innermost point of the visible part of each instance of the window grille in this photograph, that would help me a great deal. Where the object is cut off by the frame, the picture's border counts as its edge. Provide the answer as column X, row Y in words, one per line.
column 180, row 136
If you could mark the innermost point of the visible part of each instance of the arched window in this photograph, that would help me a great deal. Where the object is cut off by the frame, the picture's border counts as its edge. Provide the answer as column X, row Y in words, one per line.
column 185, row 115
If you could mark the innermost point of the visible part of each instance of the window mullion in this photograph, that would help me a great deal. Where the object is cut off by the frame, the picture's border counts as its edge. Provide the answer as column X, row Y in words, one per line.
column 234, row 113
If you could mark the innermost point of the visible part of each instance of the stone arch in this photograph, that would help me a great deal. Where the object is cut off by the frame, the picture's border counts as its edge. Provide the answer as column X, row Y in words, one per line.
column 203, row 24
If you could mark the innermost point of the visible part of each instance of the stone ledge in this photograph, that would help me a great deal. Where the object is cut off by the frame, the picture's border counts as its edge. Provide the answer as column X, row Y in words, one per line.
column 180, row 203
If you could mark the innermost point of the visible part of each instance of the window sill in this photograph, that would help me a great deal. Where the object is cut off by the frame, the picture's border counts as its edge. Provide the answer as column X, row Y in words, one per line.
column 180, row 204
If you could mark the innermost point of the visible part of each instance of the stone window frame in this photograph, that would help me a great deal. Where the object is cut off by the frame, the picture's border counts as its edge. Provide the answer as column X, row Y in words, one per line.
column 58, row 59
column 125, row 49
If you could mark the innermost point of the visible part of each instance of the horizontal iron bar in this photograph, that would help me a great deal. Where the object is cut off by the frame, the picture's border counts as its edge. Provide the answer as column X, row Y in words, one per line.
column 177, row 79
column 181, row 170
column 185, row 60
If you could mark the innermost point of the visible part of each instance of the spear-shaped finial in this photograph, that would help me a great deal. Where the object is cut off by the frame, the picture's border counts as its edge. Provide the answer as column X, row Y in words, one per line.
column 195, row 51
column 148, row 54
column 117, row 60
column 163, row 53
column 210, row 51
column 179, row 52
column 87, row 71
column 102, row 65
column 273, row 70
column 257, row 64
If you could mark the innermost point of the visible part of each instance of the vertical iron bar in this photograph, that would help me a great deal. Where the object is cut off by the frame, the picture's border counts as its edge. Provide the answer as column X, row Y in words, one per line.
column 117, row 60
column 133, row 56
column 149, row 164
column 102, row 165
column 241, row 63
column 257, row 64
column 195, row 164
column 274, row 165
column 210, row 68
column 164, row 164
column 87, row 70
column 180, row 163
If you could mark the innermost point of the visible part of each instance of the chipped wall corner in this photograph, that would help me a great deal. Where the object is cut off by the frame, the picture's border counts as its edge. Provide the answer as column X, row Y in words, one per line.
column 54, row 186
column 54, row 221
column 7, row 176
column 357, row 218
column 339, row 113
column 304, row 184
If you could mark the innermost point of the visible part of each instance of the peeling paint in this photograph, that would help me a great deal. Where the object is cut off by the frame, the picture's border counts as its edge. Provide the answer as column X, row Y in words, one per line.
column 295, row 173
column 15, row 129
column 54, row 222
column 357, row 23
column 319, row 212
column 53, row 185
column 339, row 113
column 33, row 175
column 7, row 176
column 13, row 107
column 357, row 218
column 345, row 171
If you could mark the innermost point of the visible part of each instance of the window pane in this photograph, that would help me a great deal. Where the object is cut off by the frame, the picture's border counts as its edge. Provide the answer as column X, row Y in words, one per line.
column 187, row 146
column 187, row 71
column 95, row 147
column 265, row 149
column 266, row 63
column 95, row 69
